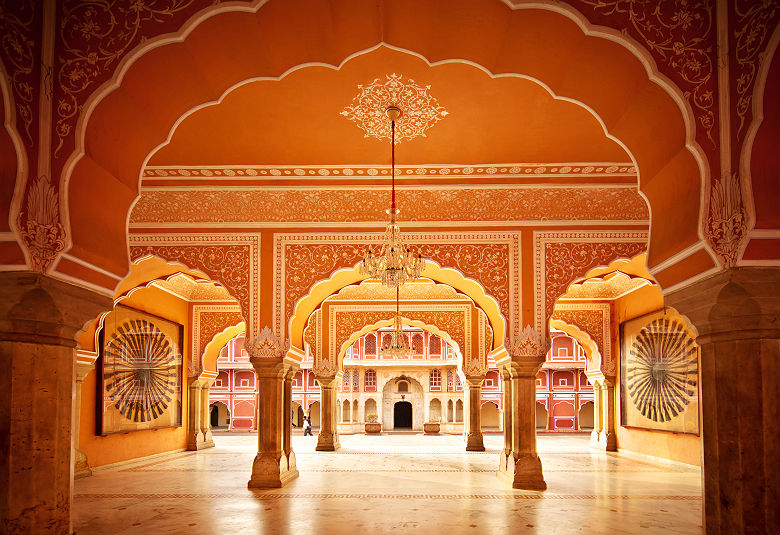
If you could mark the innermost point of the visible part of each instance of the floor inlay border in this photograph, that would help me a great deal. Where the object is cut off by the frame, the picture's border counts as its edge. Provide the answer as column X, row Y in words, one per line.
column 278, row 496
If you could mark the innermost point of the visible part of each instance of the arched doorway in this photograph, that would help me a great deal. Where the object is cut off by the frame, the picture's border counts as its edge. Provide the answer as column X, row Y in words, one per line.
column 402, row 415
column 490, row 416
column 220, row 415
column 314, row 414
column 541, row 417
column 586, row 416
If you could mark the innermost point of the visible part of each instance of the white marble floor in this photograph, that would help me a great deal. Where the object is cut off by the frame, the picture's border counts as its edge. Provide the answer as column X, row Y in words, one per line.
column 400, row 483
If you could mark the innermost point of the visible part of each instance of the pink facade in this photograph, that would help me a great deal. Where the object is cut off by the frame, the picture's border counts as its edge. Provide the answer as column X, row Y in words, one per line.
column 564, row 398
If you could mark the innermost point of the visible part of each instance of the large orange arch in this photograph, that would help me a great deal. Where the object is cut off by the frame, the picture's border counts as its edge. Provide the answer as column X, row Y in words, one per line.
column 598, row 68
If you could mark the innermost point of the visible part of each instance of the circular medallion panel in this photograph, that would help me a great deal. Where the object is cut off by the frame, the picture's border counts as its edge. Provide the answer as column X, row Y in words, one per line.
column 662, row 369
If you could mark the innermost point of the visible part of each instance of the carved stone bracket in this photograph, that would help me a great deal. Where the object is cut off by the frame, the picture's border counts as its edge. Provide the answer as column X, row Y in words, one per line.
column 266, row 345
column 325, row 368
column 475, row 368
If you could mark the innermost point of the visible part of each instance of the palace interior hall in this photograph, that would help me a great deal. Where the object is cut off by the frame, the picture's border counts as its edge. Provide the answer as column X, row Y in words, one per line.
column 350, row 266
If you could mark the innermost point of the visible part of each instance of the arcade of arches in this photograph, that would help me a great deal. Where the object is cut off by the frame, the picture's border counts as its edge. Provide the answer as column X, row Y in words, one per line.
column 187, row 189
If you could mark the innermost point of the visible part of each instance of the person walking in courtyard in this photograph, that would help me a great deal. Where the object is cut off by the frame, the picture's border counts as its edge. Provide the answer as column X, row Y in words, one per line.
column 307, row 426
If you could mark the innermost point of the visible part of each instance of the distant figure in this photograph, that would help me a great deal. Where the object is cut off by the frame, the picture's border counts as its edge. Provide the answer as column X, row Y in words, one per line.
column 307, row 426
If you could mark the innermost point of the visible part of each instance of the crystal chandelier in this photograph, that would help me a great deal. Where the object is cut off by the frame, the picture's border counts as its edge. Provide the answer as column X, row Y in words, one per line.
column 395, row 263
column 398, row 346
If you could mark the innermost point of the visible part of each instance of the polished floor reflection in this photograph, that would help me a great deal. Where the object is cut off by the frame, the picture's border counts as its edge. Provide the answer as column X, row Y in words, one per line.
column 386, row 483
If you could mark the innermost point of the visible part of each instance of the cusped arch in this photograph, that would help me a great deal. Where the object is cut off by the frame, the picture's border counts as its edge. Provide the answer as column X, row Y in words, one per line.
column 613, row 77
column 592, row 350
column 208, row 360
column 344, row 277
column 389, row 323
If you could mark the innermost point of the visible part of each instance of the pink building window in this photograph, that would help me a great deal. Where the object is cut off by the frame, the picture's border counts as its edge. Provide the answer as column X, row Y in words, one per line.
column 434, row 345
column 434, row 381
column 345, row 381
column 370, row 344
column 369, row 380
column 356, row 380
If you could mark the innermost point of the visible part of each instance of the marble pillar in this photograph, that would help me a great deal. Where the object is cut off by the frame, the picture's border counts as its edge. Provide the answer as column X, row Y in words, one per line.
column 328, row 437
column 597, row 410
column 473, row 427
column 607, row 440
column 198, row 416
column 287, row 435
column 40, row 318
column 270, row 468
column 523, row 467
column 205, row 413
column 736, row 313
column 80, row 462
column 506, row 453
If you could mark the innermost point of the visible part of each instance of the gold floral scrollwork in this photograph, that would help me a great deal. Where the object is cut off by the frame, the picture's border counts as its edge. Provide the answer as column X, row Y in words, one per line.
column 420, row 110
column 529, row 344
column 266, row 345
column 726, row 226
column 41, row 230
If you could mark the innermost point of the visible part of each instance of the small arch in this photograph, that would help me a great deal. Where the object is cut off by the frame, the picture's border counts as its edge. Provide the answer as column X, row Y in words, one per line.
column 314, row 414
column 541, row 416
column 459, row 411
column 490, row 416
column 220, row 415
column 586, row 416
column 434, row 410
column 345, row 415
column 402, row 386
column 450, row 412
column 370, row 408
column 355, row 414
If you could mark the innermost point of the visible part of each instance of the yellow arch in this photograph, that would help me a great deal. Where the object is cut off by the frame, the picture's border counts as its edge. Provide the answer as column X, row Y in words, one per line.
column 389, row 323
column 211, row 352
column 592, row 352
column 346, row 276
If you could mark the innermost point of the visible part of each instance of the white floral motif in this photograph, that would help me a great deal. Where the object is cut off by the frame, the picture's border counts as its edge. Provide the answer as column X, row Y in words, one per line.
column 420, row 110
column 529, row 344
column 475, row 368
column 324, row 368
column 266, row 345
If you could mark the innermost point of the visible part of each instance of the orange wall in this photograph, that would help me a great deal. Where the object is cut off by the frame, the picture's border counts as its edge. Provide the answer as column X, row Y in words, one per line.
column 680, row 447
column 123, row 446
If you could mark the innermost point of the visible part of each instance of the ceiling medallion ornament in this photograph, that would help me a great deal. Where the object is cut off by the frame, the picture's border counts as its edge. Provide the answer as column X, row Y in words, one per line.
column 422, row 110
column 394, row 263
column 398, row 346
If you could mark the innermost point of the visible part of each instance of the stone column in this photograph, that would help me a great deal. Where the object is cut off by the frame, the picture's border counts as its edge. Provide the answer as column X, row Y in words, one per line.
column 270, row 468
column 194, row 433
column 506, row 453
column 328, row 437
column 607, row 435
column 40, row 318
column 527, row 354
column 84, row 364
column 287, row 424
column 736, row 313
column 528, row 467
column 597, row 410
column 473, row 432
column 205, row 413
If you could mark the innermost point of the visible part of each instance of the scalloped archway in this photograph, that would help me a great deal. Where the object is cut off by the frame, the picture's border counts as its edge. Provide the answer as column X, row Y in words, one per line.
column 342, row 278
column 608, row 75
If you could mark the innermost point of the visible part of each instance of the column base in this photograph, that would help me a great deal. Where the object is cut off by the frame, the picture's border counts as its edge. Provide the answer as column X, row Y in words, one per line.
column 199, row 443
column 603, row 441
column 327, row 442
column 269, row 472
column 474, row 442
column 80, row 465
column 527, row 474
column 506, row 468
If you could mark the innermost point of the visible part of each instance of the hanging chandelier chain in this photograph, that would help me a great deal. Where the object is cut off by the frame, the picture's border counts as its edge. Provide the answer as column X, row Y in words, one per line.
column 395, row 263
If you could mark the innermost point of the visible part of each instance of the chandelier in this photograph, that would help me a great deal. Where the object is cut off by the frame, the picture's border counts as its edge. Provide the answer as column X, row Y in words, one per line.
column 398, row 346
column 394, row 263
